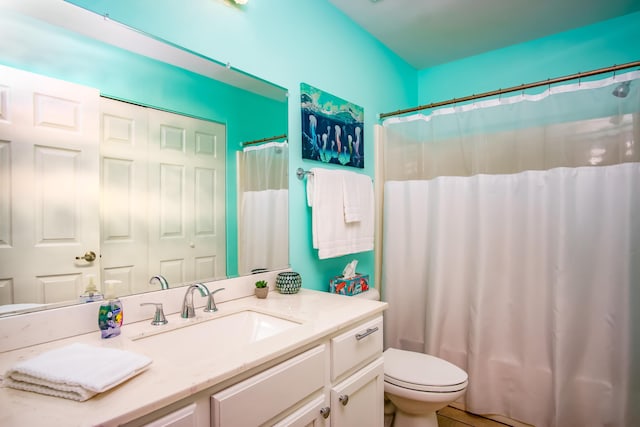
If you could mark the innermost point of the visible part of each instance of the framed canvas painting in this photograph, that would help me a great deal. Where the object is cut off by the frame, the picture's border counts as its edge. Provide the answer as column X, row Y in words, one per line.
column 332, row 128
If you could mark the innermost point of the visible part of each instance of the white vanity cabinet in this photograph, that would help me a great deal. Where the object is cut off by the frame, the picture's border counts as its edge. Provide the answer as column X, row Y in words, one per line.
column 326, row 372
column 357, row 376
column 338, row 384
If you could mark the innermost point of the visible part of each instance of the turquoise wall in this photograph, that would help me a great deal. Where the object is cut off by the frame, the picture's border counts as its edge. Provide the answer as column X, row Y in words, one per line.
column 286, row 42
column 595, row 46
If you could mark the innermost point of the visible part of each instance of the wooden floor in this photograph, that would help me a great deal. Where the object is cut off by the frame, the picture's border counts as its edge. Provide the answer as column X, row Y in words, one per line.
column 452, row 417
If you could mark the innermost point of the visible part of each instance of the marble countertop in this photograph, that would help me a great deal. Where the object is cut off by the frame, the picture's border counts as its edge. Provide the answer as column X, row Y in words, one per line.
column 182, row 370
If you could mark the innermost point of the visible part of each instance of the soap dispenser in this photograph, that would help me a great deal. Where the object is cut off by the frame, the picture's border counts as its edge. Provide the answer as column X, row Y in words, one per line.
column 110, row 314
column 91, row 293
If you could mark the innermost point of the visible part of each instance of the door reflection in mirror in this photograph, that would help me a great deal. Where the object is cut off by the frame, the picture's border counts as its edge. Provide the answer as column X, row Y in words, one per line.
column 163, row 197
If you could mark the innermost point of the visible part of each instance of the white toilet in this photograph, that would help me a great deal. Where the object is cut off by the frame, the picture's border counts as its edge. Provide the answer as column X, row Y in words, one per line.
column 418, row 384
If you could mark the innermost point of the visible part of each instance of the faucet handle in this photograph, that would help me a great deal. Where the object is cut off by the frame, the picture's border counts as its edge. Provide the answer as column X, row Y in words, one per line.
column 158, row 318
column 211, row 304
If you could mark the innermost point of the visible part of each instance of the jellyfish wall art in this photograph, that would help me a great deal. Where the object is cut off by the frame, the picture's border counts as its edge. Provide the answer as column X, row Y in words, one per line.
column 332, row 128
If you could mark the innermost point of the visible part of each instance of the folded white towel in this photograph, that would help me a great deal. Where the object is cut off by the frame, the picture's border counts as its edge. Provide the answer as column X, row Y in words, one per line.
column 76, row 372
column 332, row 236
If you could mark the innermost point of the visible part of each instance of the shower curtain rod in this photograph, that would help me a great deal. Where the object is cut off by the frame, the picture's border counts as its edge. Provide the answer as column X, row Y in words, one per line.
column 613, row 68
column 271, row 138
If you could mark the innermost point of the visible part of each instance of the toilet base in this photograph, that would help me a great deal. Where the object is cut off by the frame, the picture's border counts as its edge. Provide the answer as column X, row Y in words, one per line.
column 410, row 412
column 402, row 419
column 396, row 418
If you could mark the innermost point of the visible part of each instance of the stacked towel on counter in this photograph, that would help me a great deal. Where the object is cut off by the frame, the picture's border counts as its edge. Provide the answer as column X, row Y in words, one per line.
column 76, row 371
column 342, row 215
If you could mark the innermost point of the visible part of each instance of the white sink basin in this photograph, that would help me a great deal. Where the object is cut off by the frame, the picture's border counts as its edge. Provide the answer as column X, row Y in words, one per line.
column 222, row 332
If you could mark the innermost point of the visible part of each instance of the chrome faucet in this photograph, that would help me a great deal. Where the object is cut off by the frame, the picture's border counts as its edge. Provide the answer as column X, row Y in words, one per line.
column 163, row 282
column 188, row 310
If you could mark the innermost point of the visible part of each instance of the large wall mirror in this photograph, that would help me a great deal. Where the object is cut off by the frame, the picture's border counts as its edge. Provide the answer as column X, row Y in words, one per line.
column 123, row 157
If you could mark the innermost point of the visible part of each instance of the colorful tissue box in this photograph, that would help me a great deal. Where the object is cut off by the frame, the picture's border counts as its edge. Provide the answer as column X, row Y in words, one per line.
column 352, row 286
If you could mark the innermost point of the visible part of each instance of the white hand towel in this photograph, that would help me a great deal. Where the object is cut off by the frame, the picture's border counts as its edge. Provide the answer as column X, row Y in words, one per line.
column 76, row 372
column 324, row 195
column 357, row 194
column 332, row 236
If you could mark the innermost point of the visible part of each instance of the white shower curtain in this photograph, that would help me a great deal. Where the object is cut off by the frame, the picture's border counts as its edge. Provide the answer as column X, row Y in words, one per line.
column 263, row 226
column 527, row 279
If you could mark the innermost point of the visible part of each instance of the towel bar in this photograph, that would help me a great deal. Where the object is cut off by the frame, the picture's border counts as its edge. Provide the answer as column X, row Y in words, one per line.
column 301, row 173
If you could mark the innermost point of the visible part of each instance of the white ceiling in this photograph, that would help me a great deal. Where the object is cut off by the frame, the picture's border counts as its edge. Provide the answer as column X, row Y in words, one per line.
column 430, row 32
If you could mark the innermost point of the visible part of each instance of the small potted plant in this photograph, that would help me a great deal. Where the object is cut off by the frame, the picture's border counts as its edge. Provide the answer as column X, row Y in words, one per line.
column 262, row 289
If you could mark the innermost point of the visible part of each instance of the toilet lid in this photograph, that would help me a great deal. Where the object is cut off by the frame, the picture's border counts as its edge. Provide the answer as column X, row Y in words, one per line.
column 422, row 372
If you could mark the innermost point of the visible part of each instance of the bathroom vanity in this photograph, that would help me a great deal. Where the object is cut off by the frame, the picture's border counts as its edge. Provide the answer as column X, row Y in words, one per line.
column 310, row 358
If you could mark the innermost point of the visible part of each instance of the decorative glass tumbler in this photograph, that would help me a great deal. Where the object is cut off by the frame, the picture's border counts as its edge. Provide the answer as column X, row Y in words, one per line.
column 288, row 282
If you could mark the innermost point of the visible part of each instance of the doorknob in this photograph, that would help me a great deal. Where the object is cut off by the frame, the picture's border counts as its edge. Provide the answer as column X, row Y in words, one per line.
column 89, row 256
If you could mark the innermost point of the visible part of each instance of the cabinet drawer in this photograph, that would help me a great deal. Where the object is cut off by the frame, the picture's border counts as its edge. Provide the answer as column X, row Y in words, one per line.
column 181, row 418
column 356, row 347
column 260, row 398
column 310, row 415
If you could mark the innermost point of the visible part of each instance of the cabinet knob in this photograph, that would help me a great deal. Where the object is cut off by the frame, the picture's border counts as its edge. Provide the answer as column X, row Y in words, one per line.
column 344, row 399
column 325, row 412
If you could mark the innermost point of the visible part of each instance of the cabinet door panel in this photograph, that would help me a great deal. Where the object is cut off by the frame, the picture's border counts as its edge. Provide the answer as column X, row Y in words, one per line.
column 365, row 393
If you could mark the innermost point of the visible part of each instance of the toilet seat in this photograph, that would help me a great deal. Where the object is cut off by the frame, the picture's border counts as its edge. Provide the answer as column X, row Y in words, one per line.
column 422, row 372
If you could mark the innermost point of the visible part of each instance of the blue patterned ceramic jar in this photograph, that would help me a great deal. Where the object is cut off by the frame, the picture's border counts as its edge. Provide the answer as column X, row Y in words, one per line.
column 288, row 282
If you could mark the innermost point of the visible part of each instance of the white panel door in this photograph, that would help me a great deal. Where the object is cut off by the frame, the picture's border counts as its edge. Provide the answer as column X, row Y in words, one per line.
column 124, row 188
column 49, row 204
column 187, row 235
